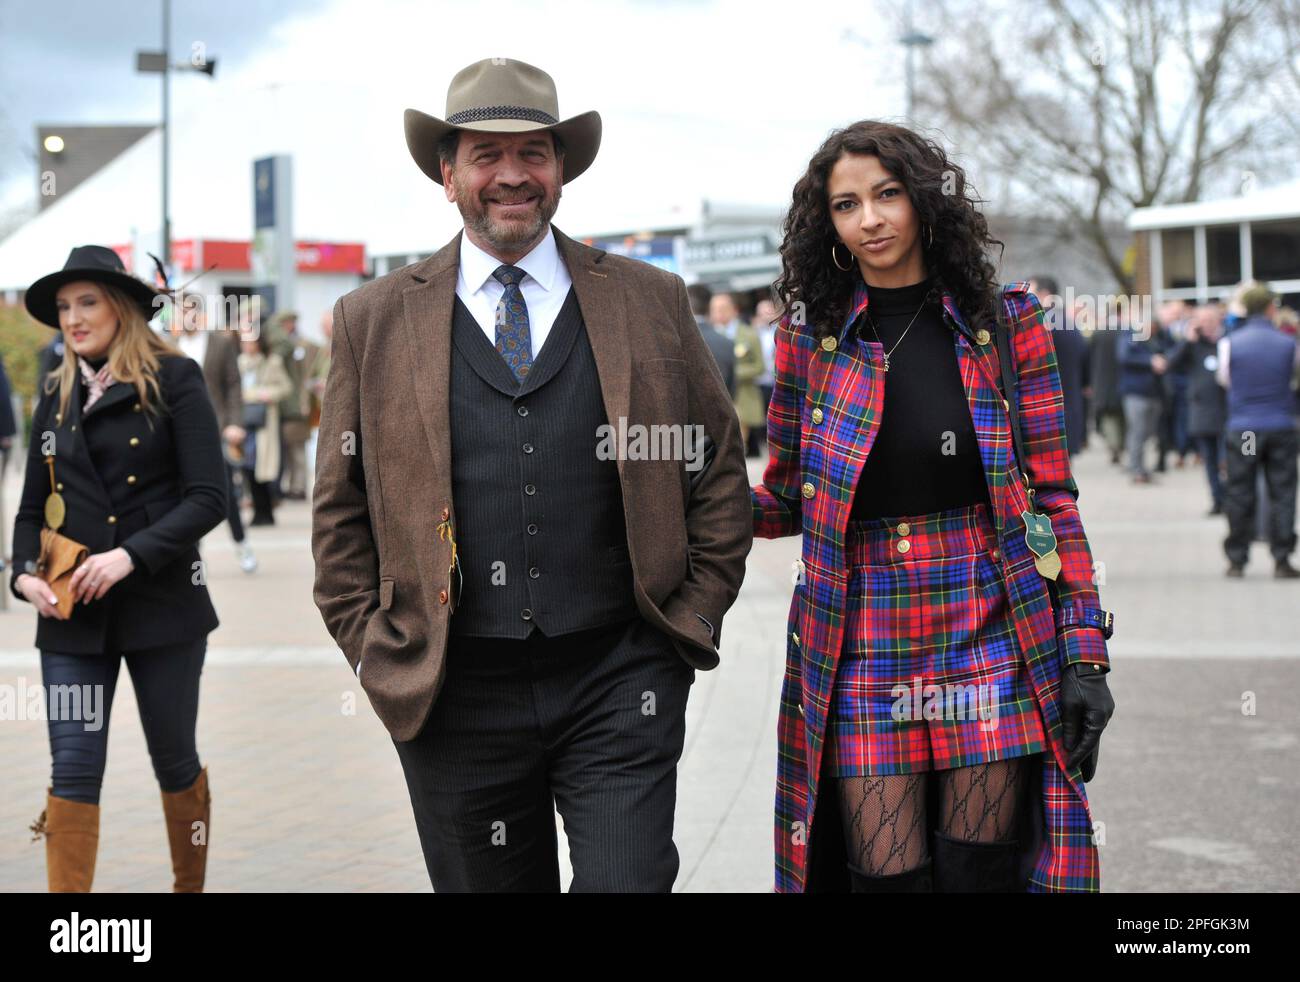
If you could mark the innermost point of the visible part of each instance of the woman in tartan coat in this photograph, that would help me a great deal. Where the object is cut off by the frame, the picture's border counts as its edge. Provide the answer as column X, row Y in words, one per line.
column 882, row 213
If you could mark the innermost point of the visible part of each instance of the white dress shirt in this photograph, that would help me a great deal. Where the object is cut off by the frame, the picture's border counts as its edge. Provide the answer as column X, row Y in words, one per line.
column 545, row 286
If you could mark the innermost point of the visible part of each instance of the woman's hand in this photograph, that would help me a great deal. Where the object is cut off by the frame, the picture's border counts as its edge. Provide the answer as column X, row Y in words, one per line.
column 1086, row 708
column 93, row 577
column 39, row 595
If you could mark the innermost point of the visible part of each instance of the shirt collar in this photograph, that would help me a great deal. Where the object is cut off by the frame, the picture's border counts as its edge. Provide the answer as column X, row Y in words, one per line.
column 541, row 263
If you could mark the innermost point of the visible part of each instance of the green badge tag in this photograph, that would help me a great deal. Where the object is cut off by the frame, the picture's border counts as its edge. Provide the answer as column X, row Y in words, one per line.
column 1038, row 533
column 1042, row 543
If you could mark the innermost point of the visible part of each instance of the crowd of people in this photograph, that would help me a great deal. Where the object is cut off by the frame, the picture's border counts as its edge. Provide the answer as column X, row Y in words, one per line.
column 1156, row 395
column 1213, row 385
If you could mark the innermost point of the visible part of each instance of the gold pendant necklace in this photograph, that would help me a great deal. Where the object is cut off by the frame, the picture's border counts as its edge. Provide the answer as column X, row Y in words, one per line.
column 872, row 321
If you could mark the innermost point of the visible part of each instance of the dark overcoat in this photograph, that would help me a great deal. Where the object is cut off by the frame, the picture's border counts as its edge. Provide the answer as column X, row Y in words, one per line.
column 156, row 484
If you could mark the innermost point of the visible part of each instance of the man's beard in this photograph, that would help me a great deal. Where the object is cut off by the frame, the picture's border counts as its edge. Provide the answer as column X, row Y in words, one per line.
column 508, row 236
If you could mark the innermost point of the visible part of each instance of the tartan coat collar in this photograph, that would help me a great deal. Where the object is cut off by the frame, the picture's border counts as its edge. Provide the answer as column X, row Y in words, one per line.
column 952, row 315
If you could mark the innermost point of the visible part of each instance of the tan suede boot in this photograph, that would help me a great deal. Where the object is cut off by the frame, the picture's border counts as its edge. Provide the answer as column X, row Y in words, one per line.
column 71, row 830
column 189, row 815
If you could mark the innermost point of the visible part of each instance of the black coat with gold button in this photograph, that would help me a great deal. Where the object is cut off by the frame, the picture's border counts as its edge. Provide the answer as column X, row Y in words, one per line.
column 159, row 486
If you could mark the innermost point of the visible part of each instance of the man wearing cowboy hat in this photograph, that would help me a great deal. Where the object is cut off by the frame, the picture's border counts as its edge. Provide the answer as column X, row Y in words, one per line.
column 531, row 512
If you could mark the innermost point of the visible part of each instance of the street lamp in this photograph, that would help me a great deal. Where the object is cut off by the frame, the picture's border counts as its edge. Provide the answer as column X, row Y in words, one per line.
column 911, row 40
column 160, row 62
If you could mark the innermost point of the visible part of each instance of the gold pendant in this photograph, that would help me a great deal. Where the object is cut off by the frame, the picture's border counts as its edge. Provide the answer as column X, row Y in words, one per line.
column 55, row 510
column 1049, row 565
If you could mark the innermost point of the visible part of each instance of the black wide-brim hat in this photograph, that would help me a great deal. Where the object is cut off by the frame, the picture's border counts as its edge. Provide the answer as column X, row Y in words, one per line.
column 90, row 262
column 501, row 95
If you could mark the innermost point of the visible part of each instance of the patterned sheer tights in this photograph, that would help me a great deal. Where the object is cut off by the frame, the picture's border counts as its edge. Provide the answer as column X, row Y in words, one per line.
column 884, row 815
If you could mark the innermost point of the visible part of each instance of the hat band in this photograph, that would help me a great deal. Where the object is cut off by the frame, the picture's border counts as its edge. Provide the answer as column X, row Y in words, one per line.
column 480, row 113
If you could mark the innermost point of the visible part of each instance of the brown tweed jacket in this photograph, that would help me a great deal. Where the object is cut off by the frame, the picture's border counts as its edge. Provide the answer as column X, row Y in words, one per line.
column 384, row 466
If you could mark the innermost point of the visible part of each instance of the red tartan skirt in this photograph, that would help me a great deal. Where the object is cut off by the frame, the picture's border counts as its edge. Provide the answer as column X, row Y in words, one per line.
column 931, row 674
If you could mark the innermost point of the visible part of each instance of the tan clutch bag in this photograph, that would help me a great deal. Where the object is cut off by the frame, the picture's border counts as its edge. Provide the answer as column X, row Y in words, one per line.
column 60, row 556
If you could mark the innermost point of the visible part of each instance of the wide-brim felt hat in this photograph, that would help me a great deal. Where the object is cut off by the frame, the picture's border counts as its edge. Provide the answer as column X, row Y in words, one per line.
column 90, row 262
column 501, row 95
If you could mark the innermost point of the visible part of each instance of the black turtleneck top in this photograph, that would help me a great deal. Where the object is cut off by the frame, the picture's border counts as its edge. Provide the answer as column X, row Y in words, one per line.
column 925, row 457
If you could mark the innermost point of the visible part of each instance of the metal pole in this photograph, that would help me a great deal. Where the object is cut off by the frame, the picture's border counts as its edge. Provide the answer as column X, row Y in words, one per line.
column 166, row 116
column 911, row 62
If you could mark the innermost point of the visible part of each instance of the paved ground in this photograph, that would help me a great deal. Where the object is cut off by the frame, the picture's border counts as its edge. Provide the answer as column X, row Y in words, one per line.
column 1195, row 794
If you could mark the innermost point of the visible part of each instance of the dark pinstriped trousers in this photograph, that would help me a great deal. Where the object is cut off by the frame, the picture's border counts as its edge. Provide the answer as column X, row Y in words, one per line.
column 590, row 724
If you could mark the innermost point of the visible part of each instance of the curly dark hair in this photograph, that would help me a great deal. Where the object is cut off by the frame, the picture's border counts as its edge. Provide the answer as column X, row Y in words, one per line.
column 958, row 259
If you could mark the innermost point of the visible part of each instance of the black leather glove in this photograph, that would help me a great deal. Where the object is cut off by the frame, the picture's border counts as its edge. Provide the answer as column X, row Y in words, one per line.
column 1086, row 708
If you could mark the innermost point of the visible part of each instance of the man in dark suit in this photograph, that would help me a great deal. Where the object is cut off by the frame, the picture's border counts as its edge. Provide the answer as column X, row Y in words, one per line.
column 1072, row 362
column 720, row 346
column 526, row 613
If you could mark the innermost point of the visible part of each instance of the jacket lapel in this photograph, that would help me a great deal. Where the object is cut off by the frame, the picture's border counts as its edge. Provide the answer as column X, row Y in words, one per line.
column 603, row 302
column 980, row 370
column 426, row 320
column 71, row 452
column 114, row 394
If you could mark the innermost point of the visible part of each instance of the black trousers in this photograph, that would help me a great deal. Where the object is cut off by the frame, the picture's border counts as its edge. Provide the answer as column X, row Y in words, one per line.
column 1275, row 452
column 590, row 724
column 232, row 504
column 79, row 699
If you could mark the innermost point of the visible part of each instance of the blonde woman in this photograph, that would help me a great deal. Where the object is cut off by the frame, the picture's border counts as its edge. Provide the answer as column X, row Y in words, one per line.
column 132, row 435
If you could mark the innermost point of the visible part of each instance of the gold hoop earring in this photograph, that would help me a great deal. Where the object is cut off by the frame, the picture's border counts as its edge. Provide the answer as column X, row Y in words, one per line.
column 836, row 259
column 929, row 237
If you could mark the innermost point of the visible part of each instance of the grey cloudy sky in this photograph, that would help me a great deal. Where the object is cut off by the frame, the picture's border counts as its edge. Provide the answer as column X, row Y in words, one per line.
column 73, row 61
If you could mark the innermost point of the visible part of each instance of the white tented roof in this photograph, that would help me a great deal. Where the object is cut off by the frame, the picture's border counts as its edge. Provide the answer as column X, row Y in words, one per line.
column 1258, row 205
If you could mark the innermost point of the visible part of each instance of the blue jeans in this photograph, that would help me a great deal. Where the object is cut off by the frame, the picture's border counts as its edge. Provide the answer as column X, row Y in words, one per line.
column 79, row 698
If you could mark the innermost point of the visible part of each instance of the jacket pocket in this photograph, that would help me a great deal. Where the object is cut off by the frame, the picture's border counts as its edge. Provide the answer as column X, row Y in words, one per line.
column 386, row 587
column 662, row 366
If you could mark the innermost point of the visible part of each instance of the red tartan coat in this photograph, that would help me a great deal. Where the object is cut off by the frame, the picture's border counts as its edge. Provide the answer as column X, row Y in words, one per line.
column 824, row 414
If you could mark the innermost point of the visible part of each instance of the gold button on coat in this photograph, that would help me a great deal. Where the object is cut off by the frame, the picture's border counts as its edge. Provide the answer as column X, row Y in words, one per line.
column 904, row 528
column 904, row 545
column 130, row 479
column 809, row 490
column 135, row 441
column 817, row 416
column 828, row 344
column 136, row 407
column 982, row 336
column 112, row 519
column 59, row 486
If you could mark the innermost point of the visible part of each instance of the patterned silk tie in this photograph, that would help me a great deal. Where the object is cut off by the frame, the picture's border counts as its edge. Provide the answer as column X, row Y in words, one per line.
column 513, row 338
